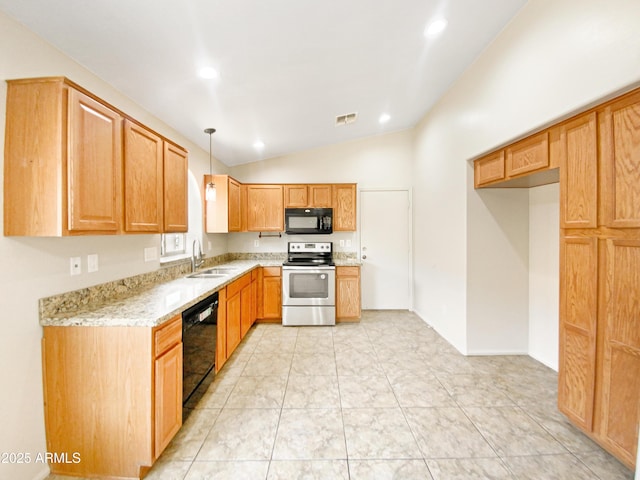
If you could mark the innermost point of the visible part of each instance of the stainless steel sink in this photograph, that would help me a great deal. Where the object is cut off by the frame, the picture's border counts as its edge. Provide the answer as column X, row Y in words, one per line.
column 223, row 270
column 207, row 275
column 215, row 272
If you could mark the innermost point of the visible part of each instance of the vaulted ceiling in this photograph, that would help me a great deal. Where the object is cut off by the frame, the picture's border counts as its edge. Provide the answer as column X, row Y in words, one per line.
column 282, row 70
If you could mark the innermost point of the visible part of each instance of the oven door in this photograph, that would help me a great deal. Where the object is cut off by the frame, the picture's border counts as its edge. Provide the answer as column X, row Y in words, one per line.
column 308, row 286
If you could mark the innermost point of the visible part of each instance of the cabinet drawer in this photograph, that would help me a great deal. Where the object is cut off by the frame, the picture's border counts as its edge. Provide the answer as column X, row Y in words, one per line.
column 167, row 335
column 271, row 271
column 347, row 271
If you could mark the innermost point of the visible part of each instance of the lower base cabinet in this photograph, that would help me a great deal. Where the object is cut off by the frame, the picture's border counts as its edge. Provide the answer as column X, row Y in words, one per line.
column 348, row 294
column 112, row 395
column 236, row 315
column 270, row 294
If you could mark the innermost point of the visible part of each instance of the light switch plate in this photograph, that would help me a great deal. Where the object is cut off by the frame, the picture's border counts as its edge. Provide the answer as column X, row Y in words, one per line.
column 75, row 265
column 92, row 262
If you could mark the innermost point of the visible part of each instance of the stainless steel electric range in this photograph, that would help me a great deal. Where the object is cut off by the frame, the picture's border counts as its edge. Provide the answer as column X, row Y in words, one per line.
column 309, row 285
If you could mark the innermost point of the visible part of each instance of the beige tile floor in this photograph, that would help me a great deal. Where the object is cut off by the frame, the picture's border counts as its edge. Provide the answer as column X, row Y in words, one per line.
column 387, row 398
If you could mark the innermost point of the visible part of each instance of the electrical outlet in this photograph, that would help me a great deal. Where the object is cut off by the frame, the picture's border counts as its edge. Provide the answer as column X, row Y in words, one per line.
column 256, row 243
column 342, row 243
column 209, row 245
column 348, row 243
column 92, row 263
column 150, row 254
column 75, row 265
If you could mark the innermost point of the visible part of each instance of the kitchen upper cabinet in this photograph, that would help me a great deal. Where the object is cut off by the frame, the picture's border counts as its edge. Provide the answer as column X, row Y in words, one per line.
column 348, row 293
column 65, row 172
column 224, row 214
column 265, row 208
column 530, row 162
column 344, row 207
column 579, row 173
column 527, row 155
column 176, row 207
column 143, row 179
column 112, row 394
column 296, row 196
column 308, row 196
column 620, row 147
column 63, row 161
column 489, row 169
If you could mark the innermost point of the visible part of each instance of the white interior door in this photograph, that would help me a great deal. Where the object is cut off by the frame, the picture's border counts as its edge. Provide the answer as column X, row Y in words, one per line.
column 385, row 249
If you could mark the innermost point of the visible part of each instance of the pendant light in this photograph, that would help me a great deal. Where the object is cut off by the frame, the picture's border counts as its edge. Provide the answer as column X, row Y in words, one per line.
column 210, row 190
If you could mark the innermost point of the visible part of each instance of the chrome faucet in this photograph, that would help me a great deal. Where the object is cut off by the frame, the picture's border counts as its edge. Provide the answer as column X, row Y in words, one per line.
column 196, row 258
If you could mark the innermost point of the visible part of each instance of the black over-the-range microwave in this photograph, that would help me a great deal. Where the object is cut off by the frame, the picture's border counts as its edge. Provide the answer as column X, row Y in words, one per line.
column 308, row 221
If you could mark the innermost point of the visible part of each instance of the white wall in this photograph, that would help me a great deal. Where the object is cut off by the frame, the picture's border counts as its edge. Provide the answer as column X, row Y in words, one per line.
column 380, row 161
column 553, row 59
column 544, row 241
column 32, row 268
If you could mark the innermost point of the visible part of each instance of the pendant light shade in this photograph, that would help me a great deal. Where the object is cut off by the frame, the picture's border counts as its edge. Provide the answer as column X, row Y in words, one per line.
column 210, row 190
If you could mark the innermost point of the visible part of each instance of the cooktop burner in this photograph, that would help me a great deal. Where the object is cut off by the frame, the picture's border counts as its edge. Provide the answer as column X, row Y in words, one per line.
column 309, row 254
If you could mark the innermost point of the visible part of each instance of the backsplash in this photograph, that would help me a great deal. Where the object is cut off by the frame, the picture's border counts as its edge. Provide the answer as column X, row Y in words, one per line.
column 97, row 294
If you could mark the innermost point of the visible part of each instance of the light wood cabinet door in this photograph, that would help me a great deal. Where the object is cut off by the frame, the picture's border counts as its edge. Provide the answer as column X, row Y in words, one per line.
column 579, row 173
column 234, row 308
column 176, row 209
column 320, row 196
column 168, row 397
column 270, row 293
column 95, row 165
column 620, row 409
column 489, row 169
column 296, row 196
column 143, row 179
column 344, row 207
column 265, row 208
column 578, row 328
column 221, row 331
column 234, row 210
column 254, row 295
column 246, row 308
column 348, row 293
column 528, row 155
column 620, row 150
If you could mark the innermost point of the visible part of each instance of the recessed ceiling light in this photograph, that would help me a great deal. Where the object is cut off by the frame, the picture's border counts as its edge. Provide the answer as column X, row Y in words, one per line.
column 384, row 118
column 435, row 28
column 258, row 145
column 208, row 73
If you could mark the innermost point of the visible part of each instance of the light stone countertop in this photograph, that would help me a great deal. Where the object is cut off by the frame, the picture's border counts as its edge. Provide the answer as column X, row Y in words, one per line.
column 156, row 304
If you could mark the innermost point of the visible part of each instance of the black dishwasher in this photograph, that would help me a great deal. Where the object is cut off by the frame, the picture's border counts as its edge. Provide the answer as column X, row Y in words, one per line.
column 199, row 325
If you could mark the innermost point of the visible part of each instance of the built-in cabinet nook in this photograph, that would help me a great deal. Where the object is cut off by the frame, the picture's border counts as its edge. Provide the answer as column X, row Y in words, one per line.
column 597, row 154
column 75, row 165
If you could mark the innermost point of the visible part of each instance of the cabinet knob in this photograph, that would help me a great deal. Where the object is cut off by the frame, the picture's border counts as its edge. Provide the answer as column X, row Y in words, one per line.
column 364, row 257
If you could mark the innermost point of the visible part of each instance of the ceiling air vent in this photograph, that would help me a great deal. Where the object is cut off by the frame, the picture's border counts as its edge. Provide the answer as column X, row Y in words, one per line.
column 346, row 119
